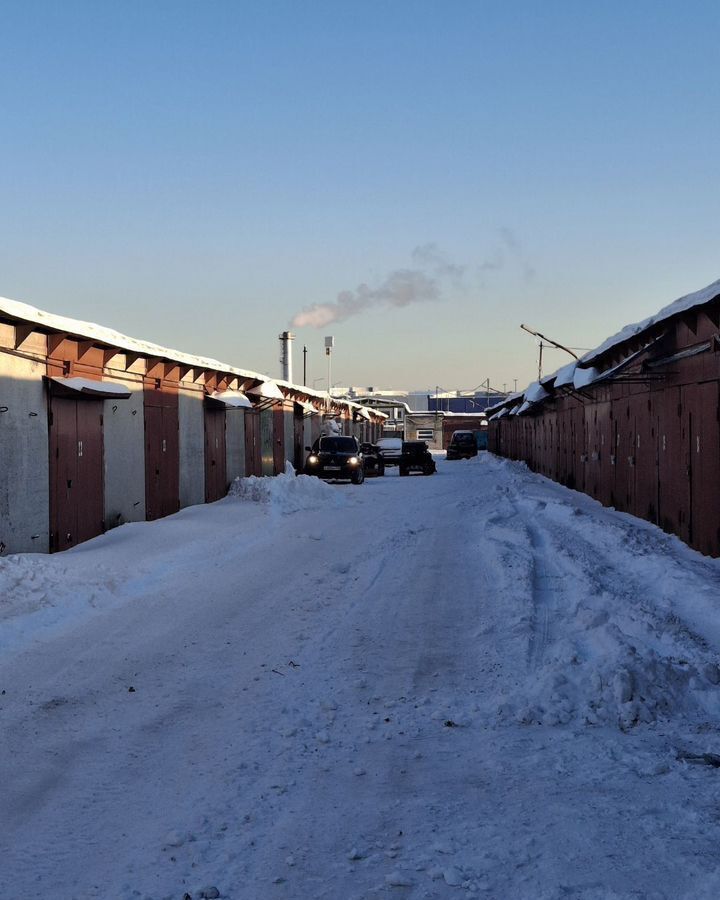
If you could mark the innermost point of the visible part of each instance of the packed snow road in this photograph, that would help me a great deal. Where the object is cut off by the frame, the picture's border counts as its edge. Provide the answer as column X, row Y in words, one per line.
column 474, row 684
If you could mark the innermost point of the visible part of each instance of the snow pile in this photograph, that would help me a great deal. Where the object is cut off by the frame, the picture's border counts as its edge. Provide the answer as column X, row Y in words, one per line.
column 618, row 686
column 602, row 648
column 50, row 592
column 22, row 585
column 287, row 493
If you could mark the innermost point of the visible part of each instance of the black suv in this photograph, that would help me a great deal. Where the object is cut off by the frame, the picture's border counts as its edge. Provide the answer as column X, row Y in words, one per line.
column 336, row 457
column 416, row 458
column 373, row 463
column 462, row 445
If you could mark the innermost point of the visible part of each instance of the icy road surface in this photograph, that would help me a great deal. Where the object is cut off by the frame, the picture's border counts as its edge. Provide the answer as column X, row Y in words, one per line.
column 475, row 684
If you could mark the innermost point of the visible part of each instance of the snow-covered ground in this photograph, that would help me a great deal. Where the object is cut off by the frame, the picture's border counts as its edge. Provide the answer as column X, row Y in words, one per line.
column 477, row 683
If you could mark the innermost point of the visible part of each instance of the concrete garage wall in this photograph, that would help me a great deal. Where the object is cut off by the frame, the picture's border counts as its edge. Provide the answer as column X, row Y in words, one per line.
column 24, row 476
column 313, row 427
column 289, row 434
column 124, row 440
column 191, row 421
column 235, row 443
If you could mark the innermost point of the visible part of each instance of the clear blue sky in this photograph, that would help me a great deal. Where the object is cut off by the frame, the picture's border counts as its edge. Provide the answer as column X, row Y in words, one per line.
column 197, row 173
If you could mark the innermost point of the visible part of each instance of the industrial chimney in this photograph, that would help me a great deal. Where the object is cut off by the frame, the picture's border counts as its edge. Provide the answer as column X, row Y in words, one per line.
column 286, row 354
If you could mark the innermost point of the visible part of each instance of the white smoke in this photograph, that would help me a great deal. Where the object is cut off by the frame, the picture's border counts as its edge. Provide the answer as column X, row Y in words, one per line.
column 433, row 271
column 509, row 253
column 430, row 256
column 400, row 288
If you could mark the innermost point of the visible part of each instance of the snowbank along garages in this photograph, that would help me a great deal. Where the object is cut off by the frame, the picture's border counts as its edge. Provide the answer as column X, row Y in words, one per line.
column 97, row 428
column 635, row 423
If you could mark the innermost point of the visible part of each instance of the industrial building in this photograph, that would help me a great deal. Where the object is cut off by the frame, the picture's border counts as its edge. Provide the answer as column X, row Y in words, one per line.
column 98, row 429
column 635, row 423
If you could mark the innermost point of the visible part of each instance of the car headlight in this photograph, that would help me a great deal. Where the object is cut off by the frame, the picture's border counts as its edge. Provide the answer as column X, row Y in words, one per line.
column 353, row 460
column 313, row 460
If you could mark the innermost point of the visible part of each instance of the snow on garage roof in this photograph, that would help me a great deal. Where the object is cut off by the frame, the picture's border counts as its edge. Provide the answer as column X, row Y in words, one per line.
column 268, row 390
column 682, row 304
column 15, row 309
column 579, row 373
column 89, row 387
column 564, row 377
column 535, row 392
column 231, row 399
column 90, row 331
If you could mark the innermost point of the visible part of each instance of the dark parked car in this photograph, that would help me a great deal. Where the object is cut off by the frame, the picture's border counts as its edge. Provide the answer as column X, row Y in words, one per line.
column 462, row 445
column 373, row 463
column 336, row 457
column 416, row 458
column 390, row 450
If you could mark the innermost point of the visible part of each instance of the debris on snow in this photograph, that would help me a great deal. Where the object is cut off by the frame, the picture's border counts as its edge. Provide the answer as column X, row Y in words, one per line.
column 399, row 879
column 453, row 876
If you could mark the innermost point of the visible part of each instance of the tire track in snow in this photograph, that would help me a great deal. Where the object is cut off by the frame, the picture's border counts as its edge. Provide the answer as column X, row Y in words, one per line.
column 547, row 584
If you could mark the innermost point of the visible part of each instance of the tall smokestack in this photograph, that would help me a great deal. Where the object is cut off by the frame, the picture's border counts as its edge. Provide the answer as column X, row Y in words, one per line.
column 286, row 354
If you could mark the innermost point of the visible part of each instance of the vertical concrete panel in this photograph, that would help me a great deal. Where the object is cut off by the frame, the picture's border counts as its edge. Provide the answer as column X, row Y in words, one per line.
column 235, row 444
column 191, row 420
column 24, row 476
column 289, row 435
column 124, row 436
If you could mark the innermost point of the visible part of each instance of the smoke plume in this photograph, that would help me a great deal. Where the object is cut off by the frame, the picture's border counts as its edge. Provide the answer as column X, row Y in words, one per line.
column 432, row 273
column 400, row 288
column 507, row 254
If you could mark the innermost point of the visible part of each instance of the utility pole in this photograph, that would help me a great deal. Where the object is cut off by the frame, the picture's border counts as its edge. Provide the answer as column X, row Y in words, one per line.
column 329, row 345
column 304, row 366
column 548, row 343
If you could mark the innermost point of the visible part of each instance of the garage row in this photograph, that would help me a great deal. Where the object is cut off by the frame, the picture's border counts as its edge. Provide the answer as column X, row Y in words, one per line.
column 98, row 429
column 635, row 423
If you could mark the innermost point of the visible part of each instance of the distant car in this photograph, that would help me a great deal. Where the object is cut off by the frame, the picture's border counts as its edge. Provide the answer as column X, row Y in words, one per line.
column 390, row 450
column 373, row 463
column 462, row 445
column 416, row 458
column 336, row 457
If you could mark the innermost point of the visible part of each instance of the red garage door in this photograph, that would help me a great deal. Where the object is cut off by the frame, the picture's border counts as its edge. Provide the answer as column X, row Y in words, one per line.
column 162, row 455
column 253, row 463
column 76, row 471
